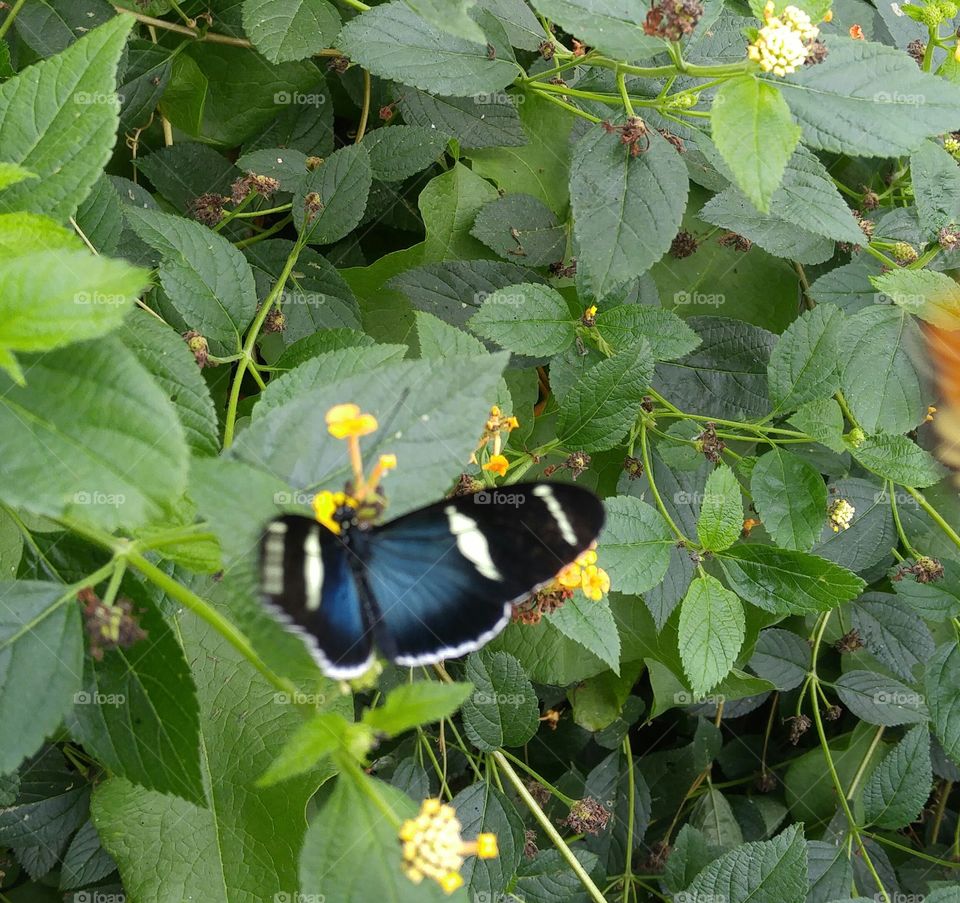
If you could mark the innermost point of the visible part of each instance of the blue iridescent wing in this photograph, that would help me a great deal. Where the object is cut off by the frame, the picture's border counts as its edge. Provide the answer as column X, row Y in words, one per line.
column 442, row 579
column 306, row 577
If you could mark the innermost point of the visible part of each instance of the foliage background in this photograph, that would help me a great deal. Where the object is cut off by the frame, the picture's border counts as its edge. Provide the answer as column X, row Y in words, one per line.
column 764, row 714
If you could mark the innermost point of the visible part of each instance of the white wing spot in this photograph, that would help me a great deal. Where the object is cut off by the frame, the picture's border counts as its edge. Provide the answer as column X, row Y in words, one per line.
column 558, row 514
column 471, row 543
column 272, row 580
column 313, row 569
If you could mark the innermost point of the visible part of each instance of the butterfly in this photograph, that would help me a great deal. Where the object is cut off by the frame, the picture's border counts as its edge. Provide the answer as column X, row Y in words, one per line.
column 433, row 584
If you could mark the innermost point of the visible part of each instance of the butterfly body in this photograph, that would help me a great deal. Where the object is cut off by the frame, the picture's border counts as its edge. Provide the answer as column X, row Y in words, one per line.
column 433, row 584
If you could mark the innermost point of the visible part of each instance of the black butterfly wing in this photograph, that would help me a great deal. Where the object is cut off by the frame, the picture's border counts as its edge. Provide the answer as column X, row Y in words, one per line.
column 306, row 576
column 442, row 579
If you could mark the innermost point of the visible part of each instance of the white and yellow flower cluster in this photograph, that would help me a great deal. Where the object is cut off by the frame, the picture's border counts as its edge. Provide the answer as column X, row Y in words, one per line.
column 783, row 44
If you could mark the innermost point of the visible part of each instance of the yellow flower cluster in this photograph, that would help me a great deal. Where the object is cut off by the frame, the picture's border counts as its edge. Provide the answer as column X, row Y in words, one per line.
column 347, row 421
column 593, row 580
column 783, row 43
column 433, row 847
column 496, row 427
column 840, row 514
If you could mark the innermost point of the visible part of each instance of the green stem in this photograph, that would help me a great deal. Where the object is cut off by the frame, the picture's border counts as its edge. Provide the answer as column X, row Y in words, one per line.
column 935, row 515
column 8, row 21
column 566, row 800
column 631, row 794
column 548, row 828
column 251, row 340
column 943, row 863
column 892, row 489
column 648, row 470
column 211, row 616
column 583, row 114
column 267, row 233
column 624, row 96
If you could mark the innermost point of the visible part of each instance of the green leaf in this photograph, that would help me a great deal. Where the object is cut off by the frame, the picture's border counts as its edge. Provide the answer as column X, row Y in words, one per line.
column 81, row 296
column 926, row 294
column 767, row 871
column 636, row 543
column 25, row 233
column 612, row 26
column 411, row 705
column 669, row 337
column 449, row 204
column 138, row 714
column 142, row 82
column 754, row 132
column 244, row 840
column 892, row 633
column 713, row 816
column 900, row 459
column 225, row 95
column 878, row 699
column 879, row 377
column 526, row 319
column 522, row 228
column 342, row 183
column 791, row 497
column 899, row 786
column 41, row 660
column 941, row 682
column 11, row 173
column 935, row 176
column 503, row 710
column 787, row 582
column 91, row 437
column 172, row 365
column 591, row 624
column 436, row 408
column 721, row 513
column 351, row 851
column 207, row 280
column 711, row 632
column 597, row 412
column 492, row 124
column 452, row 16
column 312, row 741
column 732, row 210
column 626, row 209
column 868, row 100
column 59, row 119
column 86, row 861
column 726, row 376
column 540, row 166
column 392, row 41
column 402, row 151
column 781, row 657
column 481, row 808
column 822, row 420
column 284, row 30
column 804, row 363
column 932, row 601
